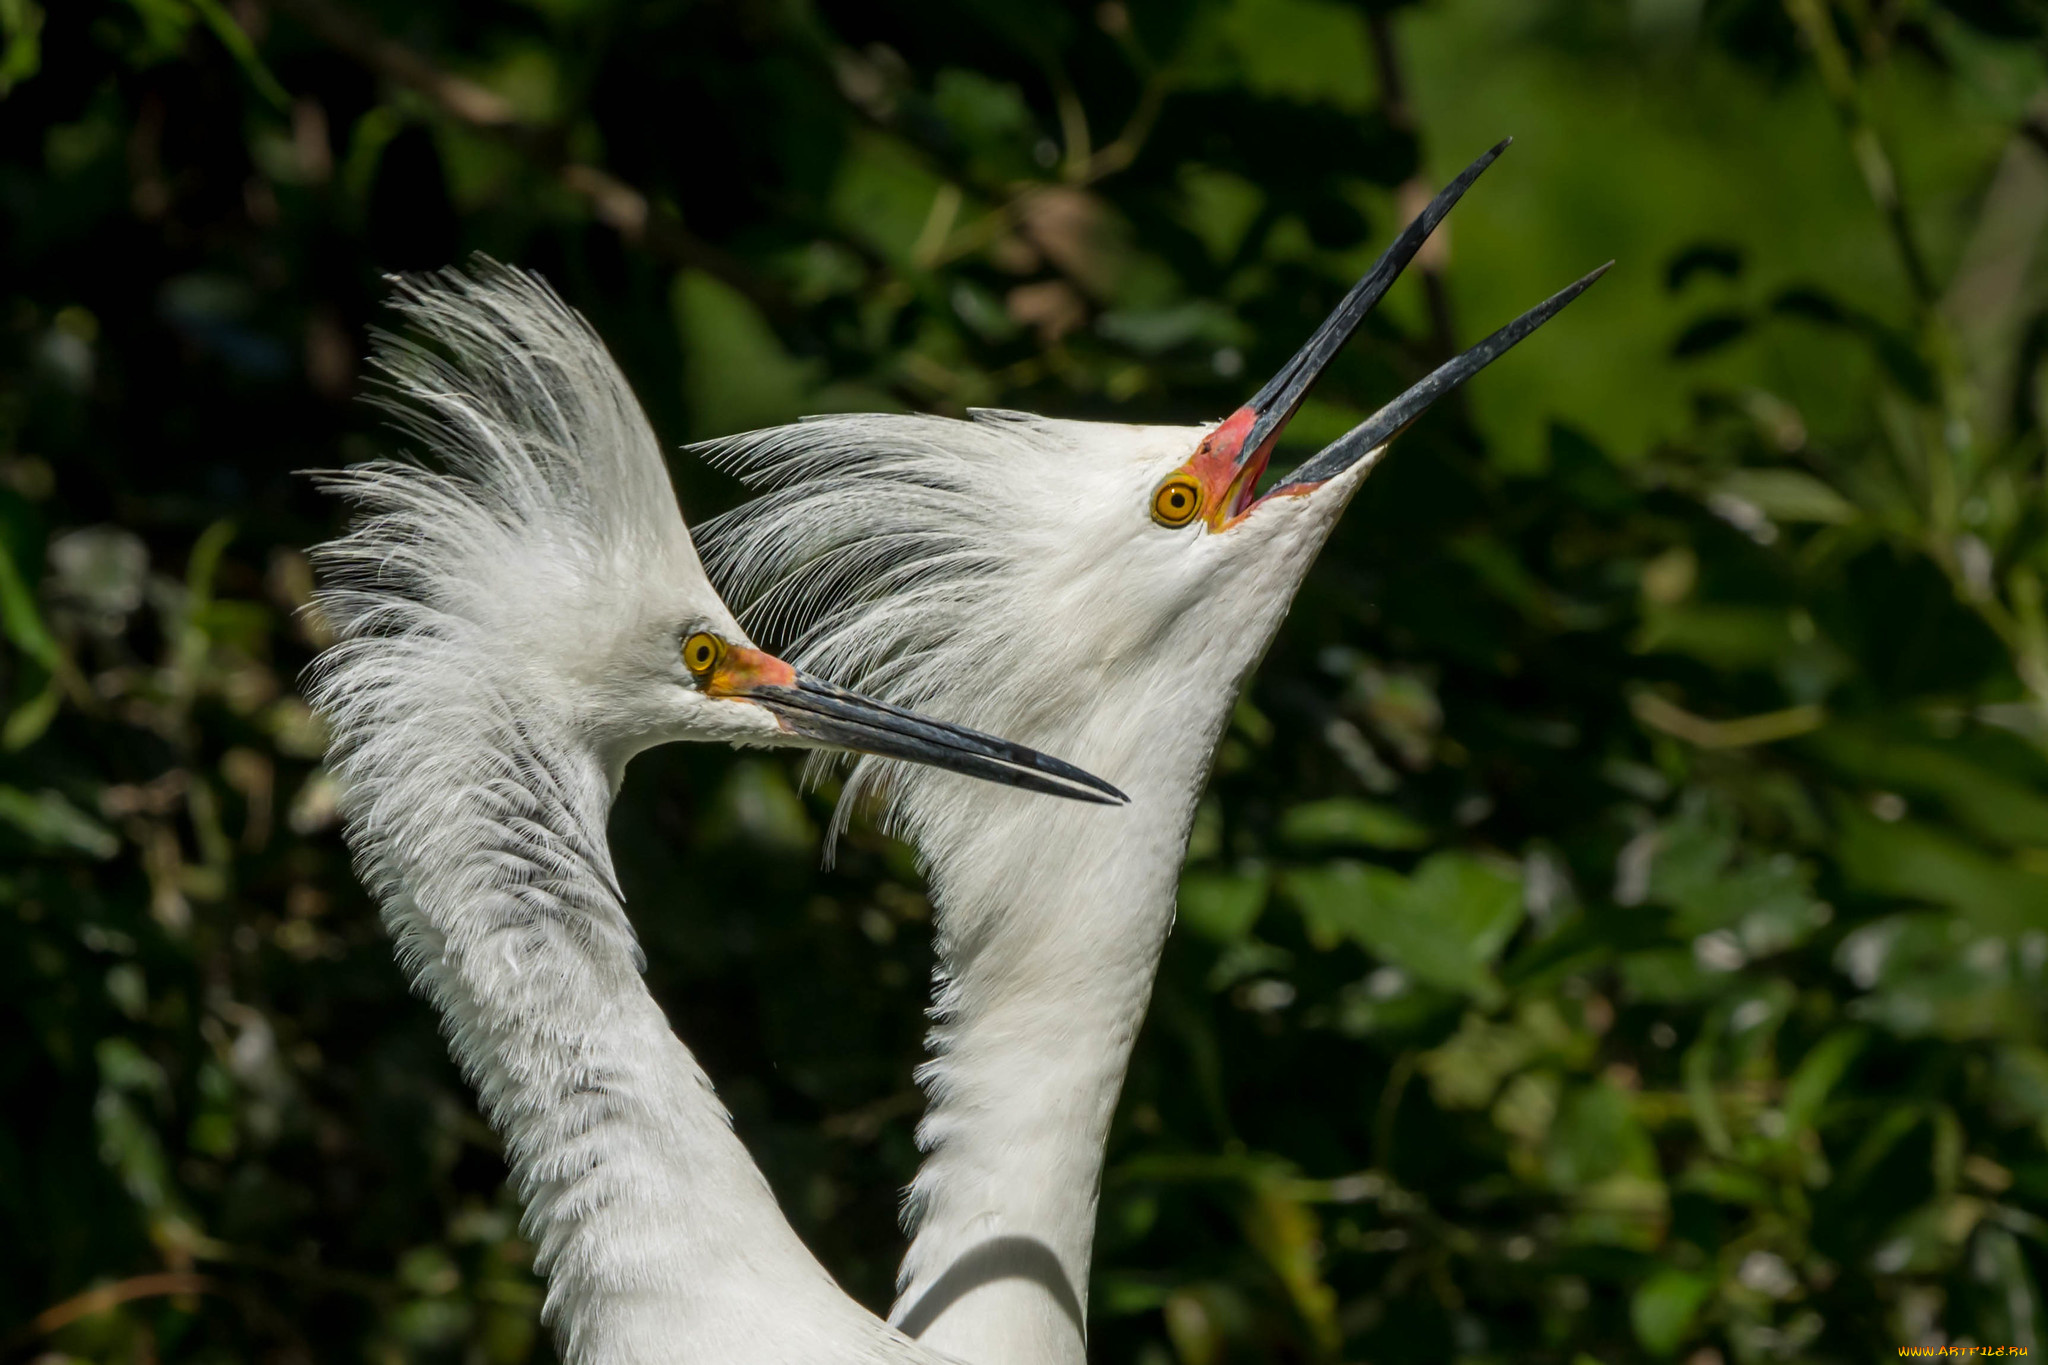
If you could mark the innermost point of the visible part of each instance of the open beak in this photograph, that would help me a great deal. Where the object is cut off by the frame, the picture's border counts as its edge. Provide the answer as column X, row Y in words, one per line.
column 831, row 717
column 1232, row 458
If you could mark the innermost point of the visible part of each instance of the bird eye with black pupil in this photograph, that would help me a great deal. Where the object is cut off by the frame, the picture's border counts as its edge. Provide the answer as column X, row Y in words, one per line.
column 1177, row 501
column 701, row 653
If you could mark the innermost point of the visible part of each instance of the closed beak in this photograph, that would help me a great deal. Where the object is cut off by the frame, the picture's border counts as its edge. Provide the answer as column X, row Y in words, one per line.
column 828, row 716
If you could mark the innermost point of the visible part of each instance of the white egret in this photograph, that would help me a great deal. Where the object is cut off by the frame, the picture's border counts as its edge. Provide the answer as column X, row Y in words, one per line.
column 512, row 630
column 1102, row 591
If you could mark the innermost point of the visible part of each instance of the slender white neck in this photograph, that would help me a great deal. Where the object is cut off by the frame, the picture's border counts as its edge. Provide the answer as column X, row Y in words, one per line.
column 660, row 1239
column 1005, row 574
column 1051, row 923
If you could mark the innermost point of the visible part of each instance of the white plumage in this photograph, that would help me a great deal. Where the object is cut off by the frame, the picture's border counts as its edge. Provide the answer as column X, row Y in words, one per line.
column 512, row 629
column 516, row 626
column 1007, row 570
column 1099, row 590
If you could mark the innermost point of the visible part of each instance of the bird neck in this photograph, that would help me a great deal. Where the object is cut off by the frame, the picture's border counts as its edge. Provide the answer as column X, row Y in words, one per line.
column 1051, row 920
column 479, row 824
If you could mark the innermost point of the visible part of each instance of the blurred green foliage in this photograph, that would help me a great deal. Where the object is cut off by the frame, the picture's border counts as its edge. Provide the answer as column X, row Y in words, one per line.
column 1618, row 925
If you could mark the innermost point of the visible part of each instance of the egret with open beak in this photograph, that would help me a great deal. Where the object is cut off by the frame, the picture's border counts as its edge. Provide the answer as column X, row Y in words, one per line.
column 1098, row 591
column 1219, row 482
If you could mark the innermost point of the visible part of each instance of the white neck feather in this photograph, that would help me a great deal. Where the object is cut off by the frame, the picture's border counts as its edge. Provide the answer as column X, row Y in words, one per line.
column 1006, row 574
column 1051, row 927
column 483, row 613
column 477, row 815
column 480, row 827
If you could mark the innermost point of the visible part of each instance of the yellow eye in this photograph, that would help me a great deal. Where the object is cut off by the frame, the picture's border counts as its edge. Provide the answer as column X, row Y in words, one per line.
column 701, row 653
column 1177, row 501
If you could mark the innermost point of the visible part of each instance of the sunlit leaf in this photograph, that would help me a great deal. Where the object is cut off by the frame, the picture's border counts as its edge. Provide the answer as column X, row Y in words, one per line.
column 735, row 368
column 1467, row 1070
column 1664, row 1308
column 1342, row 821
column 885, row 196
column 1819, row 1073
column 52, row 822
column 1914, row 861
column 19, row 617
column 1724, row 636
column 1446, row 924
column 1301, row 49
column 1597, row 1135
column 1221, row 906
column 1788, row 495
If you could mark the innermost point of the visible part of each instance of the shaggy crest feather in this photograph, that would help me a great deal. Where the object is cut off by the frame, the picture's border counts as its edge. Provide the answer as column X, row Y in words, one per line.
column 871, row 546
column 496, row 620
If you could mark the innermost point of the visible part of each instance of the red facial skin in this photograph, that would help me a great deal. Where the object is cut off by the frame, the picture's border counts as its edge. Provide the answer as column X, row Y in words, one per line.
column 740, row 671
column 1228, row 484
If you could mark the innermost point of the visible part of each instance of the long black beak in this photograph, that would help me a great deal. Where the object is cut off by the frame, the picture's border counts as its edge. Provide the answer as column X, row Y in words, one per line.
column 836, row 718
column 1262, row 419
column 1391, row 420
column 1274, row 404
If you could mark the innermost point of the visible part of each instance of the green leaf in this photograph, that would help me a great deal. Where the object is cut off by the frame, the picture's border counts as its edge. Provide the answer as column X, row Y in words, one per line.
column 1697, row 1070
column 427, row 1324
column 1767, row 901
column 1221, row 906
column 1668, row 976
column 19, row 617
column 1914, row 861
column 758, row 806
column 2013, row 1299
column 166, row 22
column 128, row 1142
column 885, row 197
column 1776, row 888
column 1819, row 1072
column 21, row 22
column 1151, row 331
column 1467, row 1069
column 1599, row 1153
column 1343, row 821
column 735, row 371
column 50, row 821
column 980, row 109
column 1928, row 1240
column 1929, row 975
column 1622, row 1210
column 2019, row 1081
column 1665, row 1307
column 1218, row 208
column 1725, row 637
column 1597, row 1135
column 1987, row 801
column 204, row 564
column 243, row 51
column 1304, row 50
column 1788, row 495
column 1445, row 925
column 25, row 725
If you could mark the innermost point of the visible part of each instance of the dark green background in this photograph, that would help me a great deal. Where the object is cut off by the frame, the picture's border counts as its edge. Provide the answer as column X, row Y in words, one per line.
column 1617, row 929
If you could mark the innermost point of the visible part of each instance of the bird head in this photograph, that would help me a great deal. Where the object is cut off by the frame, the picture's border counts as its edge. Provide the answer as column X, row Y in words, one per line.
column 1090, row 586
column 704, row 679
column 542, row 574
